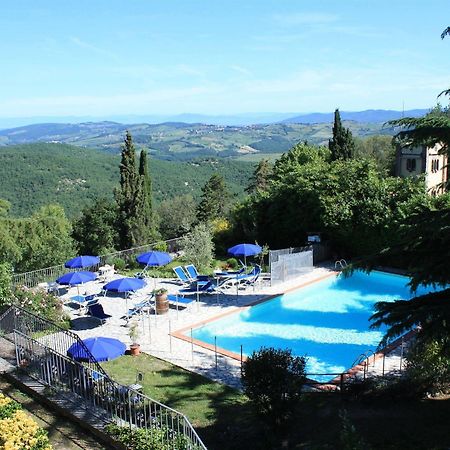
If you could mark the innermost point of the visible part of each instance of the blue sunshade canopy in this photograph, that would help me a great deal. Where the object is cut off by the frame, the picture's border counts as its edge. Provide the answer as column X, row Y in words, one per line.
column 124, row 285
column 76, row 278
column 245, row 250
column 154, row 258
column 82, row 261
column 101, row 348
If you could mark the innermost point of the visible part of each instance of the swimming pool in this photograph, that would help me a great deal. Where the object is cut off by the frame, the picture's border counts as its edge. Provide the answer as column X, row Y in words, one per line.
column 327, row 321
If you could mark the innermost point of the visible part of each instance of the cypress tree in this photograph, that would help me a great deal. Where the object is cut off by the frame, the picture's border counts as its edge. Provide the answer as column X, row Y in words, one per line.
column 131, row 199
column 342, row 145
column 147, row 207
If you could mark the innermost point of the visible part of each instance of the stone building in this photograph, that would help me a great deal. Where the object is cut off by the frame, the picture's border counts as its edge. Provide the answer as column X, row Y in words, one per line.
column 414, row 161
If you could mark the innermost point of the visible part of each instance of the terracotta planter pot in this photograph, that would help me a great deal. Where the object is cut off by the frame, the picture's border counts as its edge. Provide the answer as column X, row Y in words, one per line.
column 135, row 349
column 162, row 304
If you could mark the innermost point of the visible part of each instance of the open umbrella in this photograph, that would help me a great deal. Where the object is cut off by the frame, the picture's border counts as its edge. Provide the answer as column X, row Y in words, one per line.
column 101, row 348
column 154, row 258
column 82, row 261
column 76, row 278
column 245, row 250
column 124, row 285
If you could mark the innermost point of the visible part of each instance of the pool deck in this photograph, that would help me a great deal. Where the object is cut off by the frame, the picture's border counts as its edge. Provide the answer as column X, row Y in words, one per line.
column 168, row 336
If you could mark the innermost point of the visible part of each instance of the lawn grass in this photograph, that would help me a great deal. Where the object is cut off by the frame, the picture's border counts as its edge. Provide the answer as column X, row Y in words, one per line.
column 224, row 419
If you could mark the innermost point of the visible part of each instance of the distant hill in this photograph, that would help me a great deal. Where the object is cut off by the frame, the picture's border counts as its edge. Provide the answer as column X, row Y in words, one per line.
column 36, row 174
column 370, row 115
column 182, row 141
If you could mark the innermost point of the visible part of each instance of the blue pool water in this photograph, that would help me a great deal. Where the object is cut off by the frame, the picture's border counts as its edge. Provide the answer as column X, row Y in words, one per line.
column 327, row 321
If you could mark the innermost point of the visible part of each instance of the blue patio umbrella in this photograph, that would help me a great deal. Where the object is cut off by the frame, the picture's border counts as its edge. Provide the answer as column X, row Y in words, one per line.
column 124, row 285
column 154, row 258
column 245, row 250
column 73, row 278
column 82, row 261
column 101, row 348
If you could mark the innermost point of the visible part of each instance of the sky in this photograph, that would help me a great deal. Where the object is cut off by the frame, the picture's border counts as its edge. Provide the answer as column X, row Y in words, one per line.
column 109, row 57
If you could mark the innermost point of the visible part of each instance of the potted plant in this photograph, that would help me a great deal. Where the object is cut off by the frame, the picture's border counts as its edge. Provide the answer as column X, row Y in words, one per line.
column 133, row 332
column 161, row 302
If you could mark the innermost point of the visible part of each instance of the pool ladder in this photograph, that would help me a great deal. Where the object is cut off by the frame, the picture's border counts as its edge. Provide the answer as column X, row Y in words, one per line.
column 340, row 264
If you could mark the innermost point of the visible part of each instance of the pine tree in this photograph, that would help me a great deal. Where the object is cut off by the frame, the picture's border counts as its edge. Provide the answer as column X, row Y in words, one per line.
column 341, row 145
column 214, row 199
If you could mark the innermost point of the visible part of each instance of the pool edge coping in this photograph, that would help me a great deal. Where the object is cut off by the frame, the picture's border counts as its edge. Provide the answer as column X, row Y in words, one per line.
column 221, row 351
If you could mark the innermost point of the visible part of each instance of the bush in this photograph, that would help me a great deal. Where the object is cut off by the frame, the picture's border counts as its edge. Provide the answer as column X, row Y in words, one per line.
column 40, row 303
column 349, row 437
column 154, row 439
column 5, row 283
column 232, row 263
column 428, row 366
column 119, row 263
column 198, row 247
column 18, row 430
column 273, row 380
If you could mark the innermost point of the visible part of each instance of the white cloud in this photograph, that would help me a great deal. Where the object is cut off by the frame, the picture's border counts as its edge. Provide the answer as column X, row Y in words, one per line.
column 93, row 48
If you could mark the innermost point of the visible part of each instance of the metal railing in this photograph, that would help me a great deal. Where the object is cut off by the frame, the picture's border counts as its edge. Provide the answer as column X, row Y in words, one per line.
column 41, row 352
column 33, row 278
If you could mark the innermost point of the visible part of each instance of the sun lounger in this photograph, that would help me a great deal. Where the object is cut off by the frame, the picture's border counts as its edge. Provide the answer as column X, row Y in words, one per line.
column 139, row 308
column 244, row 279
column 179, row 300
column 181, row 275
column 193, row 274
column 96, row 311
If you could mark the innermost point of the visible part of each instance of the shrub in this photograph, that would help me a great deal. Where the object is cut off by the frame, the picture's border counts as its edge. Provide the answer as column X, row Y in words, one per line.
column 119, row 263
column 40, row 303
column 154, row 439
column 232, row 263
column 198, row 247
column 5, row 283
column 349, row 437
column 18, row 430
column 428, row 366
column 273, row 380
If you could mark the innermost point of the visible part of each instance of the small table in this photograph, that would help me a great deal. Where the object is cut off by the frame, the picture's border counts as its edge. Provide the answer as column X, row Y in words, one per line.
column 135, row 387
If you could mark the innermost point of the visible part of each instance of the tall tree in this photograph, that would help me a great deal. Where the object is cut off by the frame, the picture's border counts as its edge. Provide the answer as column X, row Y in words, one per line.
column 146, row 190
column 131, row 199
column 260, row 179
column 214, row 199
column 341, row 145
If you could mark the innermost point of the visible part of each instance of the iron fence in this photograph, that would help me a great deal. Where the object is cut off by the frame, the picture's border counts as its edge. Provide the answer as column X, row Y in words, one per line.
column 41, row 352
column 33, row 278
column 289, row 263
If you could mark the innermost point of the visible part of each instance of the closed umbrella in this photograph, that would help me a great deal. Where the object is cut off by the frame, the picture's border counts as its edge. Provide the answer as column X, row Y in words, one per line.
column 82, row 261
column 100, row 348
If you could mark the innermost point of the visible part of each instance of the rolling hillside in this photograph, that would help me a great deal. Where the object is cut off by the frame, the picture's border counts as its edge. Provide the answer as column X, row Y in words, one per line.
column 36, row 174
column 181, row 141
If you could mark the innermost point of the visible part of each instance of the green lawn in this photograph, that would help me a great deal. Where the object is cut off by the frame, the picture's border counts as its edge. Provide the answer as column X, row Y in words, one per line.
column 225, row 421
